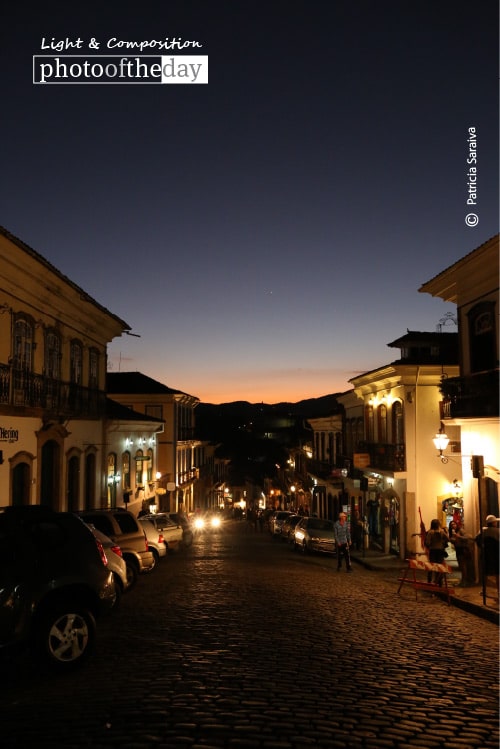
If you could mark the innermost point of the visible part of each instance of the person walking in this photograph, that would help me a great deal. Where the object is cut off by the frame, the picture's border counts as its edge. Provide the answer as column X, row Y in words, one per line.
column 342, row 541
column 488, row 540
column 462, row 542
column 436, row 542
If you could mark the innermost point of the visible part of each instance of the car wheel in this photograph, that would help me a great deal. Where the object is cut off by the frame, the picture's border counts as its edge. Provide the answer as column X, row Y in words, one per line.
column 65, row 636
column 156, row 558
column 132, row 573
column 304, row 547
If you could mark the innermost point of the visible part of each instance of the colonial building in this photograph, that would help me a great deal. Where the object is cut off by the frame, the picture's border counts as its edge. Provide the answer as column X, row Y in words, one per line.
column 393, row 462
column 179, row 453
column 470, row 400
column 53, row 340
column 131, row 449
column 325, row 466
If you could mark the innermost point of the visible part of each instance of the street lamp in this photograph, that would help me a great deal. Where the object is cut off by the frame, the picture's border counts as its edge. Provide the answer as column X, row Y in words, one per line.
column 441, row 441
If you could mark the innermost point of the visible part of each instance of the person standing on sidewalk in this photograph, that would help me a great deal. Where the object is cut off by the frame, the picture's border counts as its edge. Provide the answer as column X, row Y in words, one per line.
column 488, row 540
column 342, row 541
column 436, row 542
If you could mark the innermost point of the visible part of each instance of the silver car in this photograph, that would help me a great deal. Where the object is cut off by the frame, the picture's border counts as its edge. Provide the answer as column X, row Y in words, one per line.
column 156, row 539
column 276, row 522
column 171, row 532
column 314, row 534
column 116, row 562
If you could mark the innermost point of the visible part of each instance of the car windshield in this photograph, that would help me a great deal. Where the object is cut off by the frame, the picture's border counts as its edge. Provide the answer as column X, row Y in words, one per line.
column 319, row 525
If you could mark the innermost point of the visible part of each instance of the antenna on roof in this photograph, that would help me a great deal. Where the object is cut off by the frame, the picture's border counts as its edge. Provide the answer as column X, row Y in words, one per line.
column 136, row 335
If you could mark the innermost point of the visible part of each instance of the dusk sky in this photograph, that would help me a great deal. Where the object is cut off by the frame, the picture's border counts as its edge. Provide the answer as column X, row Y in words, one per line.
column 264, row 234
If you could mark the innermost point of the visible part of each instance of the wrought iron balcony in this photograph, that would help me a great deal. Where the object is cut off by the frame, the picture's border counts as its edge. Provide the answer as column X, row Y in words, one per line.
column 385, row 456
column 473, row 396
column 20, row 389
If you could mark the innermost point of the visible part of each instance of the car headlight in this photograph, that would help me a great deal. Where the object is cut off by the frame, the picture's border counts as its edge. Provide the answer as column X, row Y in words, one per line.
column 199, row 523
column 215, row 522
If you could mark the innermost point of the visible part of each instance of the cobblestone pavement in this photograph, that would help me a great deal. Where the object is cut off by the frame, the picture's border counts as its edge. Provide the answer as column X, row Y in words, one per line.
column 239, row 642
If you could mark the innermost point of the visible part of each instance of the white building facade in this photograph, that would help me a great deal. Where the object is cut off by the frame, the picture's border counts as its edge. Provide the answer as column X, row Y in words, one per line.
column 53, row 340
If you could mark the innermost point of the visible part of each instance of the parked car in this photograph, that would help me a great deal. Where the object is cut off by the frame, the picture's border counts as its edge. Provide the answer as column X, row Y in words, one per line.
column 276, row 522
column 180, row 518
column 288, row 527
column 172, row 533
column 314, row 534
column 116, row 562
column 156, row 540
column 122, row 527
column 54, row 583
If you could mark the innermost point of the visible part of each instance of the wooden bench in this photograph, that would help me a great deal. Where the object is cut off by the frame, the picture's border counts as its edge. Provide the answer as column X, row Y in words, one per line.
column 416, row 565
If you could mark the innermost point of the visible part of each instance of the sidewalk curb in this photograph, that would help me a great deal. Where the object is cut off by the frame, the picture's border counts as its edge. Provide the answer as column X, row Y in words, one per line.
column 472, row 608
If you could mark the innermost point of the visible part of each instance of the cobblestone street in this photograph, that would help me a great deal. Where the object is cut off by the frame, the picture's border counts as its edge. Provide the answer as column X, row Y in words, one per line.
column 240, row 642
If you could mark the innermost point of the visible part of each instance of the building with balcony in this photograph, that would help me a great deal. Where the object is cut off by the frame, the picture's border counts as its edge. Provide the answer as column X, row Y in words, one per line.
column 470, row 399
column 389, row 416
column 53, row 340
column 326, row 466
column 179, row 453
column 131, row 451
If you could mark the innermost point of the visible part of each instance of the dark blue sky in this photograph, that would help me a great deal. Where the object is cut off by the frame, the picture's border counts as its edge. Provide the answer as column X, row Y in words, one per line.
column 265, row 234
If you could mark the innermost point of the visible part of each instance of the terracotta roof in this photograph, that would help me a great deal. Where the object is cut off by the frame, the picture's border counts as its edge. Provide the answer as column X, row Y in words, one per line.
column 118, row 412
column 416, row 336
column 137, row 383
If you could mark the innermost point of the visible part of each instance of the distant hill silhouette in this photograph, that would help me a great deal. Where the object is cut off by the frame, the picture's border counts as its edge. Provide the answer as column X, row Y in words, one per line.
column 216, row 422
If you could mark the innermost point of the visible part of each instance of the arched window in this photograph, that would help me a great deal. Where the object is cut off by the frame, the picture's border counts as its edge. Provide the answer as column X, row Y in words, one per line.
column 397, row 423
column 90, row 474
column 73, row 483
column 21, row 467
column 75, row 362
column 139, row 467
column 369, row 421
column 23, row 344
column 50, row 474
column 332, row 454
column 93, row 368
column 482, row 337
column 382, row 423
column 52, row 355
column 349, row 428
column 338, row 447
column 111, row 480
column 149, row 466
column 126, row 471
column 359, row 432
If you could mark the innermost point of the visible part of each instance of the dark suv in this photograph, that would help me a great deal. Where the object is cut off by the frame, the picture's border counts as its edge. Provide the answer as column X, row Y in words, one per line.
column 122, row 527
column 54, row 583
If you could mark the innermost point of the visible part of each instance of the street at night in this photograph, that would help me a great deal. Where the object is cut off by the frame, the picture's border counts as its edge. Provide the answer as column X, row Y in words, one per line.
column 240, row 642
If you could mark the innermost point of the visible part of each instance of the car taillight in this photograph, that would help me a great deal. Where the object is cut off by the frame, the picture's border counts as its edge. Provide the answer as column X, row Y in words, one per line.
column 102, row 553
column 161, row 540
column 117, row 550
column 146, row 542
